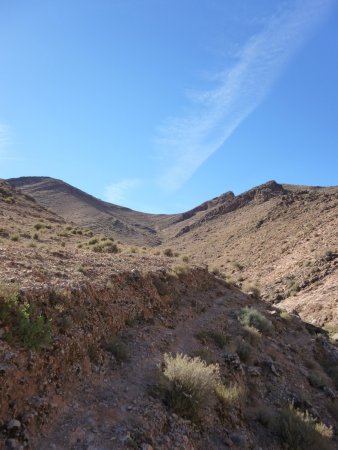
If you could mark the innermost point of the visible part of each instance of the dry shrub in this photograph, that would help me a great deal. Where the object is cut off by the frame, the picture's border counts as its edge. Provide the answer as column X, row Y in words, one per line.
column 228, row 396
column 118, row 348
column 297, row 430
column 253, row 318
column 251, row 334
column 191, row 382
column 180, row 270
column 220, row 339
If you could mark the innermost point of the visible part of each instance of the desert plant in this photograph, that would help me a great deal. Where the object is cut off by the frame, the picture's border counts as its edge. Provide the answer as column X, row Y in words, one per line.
column 220, row 339
column 244, row 351
column 253, row 290
column 229, row 396
column 297, row 430
column 185, row 259
column 251, row 334
column 34, row 331
column 215, row 270
column 168, row 252
column 9, row 296
column 180, row 270
column 191, row 382
column 15, row 238
column 205, row 355
column 109, row 247
column 93, row 241
column 285, row 316
column 117, row 347
column 252, row 317
column 238, row 265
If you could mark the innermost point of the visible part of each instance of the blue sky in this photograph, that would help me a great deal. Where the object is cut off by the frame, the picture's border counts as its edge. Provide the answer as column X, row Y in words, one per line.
column 159, row 105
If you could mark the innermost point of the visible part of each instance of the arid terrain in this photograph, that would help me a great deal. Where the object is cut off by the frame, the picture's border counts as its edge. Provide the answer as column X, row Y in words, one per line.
column 280, row 239
column 93, row 295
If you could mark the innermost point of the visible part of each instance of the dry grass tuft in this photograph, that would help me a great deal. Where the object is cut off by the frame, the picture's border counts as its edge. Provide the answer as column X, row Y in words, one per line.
column 191, row 382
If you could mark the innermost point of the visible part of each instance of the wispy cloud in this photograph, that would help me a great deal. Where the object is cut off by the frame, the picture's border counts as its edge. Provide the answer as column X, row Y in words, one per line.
column 186, row 142
column 118, row 192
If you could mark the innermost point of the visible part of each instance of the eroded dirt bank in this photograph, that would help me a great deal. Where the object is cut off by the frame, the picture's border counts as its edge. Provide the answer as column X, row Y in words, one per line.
column 36, row 385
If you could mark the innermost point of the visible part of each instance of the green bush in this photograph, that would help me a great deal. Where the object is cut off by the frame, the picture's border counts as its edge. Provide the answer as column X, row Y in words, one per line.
column 34, row 332
column 253, row 318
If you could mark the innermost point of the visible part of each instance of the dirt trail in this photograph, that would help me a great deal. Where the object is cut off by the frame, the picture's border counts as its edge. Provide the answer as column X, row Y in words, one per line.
column 114, row 408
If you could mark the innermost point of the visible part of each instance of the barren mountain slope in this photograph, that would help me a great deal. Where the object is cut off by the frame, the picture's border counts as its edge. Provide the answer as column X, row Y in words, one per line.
column 281, row 238
column 85, row 210
column 84, row 325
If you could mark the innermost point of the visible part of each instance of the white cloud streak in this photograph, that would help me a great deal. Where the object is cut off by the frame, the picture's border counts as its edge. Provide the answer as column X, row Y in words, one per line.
column 118, row 192
column 186, row 142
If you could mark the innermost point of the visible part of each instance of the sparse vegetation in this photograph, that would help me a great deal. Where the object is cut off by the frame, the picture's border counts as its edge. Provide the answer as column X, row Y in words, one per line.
column 229, row 396
column 253, row 318
column 215, row 270
column 252, row 290
column 237, row 265
column 191, row 381
column 9, row 296
column 220, row 339
column 180, row 270
column 285, row 316
column 298, row 430
column 168, row 252
column 117, row 348
column 251, row 334
column 205, row 355
column 244, row 351
column 34, row 330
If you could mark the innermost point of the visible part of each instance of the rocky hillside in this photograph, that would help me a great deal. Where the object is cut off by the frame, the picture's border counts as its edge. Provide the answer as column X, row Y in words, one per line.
column 85, row 210
column 279, row 239
column 102, row 347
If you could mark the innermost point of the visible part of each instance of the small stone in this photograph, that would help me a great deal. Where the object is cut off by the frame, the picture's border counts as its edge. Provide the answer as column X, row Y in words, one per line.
column 13, row 425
